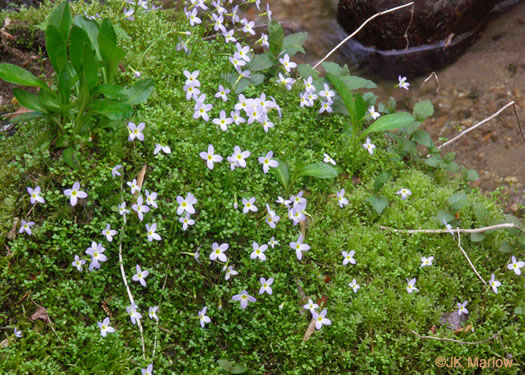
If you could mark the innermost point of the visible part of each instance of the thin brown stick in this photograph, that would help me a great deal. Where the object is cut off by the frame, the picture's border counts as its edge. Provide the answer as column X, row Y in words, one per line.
column 405, row 35
column 468, row 259
column 518, row 119
column 496, row 335
column 476, row 230
column 476, row 126
column 433, row 74
column 359, row 29
column 156, row 333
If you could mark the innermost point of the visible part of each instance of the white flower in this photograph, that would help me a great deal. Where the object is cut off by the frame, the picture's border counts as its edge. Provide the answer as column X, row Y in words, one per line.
column 25, row 226
column 186, row 204
column 133, row 185
column 369, row 146
column 248, row 26
column 210, row 157
column 373, row 113
column 462, row 309
column 133, row 313
column 281, row 200
column 515, row 266
column 404, row 193
column 354, row 285
column 249, row 205
column 218, row 252
column 341, row 198
column 327, row 93
column 192, row 92
column 328, row 159
column 194, row 20
column 17, row 332
column 35, row 195
column 320, row 319
column 74, row 193
column 152, row 313
column 288, row 65
column 273, row 242
column 140, row 276
column 191, row 78
column 96, row 252
column 426, row 261
column 223, row 121
column 122, row 208
column 109, row 233
column 140, row 208
column 78, row 263
column 243, row 52
column 265, row 285
column 105, row 328
column 411, row 287
column 285, row 81
column 203, row 318
column 272, row 218
column 114, row 170
column 238, row 157
column 244, row 298
column 148, row 370
column 299, row 247
column 185, row 221
column 311, row 306
column 222, row 92
column 494, row 283
column 229, row 272
column 326, row 107
column 348, row 257
column 403, row 83
column 228, row 36
column 158, row 147
column 298, row 199
column 150, row 199
column 152, row 235
column 136, row 131
column 258, row 251
column 449, row 227
column 237, row 118
column 268, row 162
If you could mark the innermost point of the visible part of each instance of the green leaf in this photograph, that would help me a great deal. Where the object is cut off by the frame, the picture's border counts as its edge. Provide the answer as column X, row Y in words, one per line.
column 113, row 110
column 64, row 141
column 50, row 101
column 506, row 247
column 64, row 85
column 91, row 29
column 335, row 69
column 469, row 174
column 281, row 173
column 79, row 39
column 422, row 137
column 110, row 52
column 260, row 62
column 56, row 48
column 88, row 73
column 443, row 215
column 519, row 310
column 378, row 203
column 343, row 92
column 381, row 180
column 389, row 122
column 293, row 43
column 434, row 160
column 29, row 100
column 360, row 107
column 14, row 74
column 370, row 99
column 27, row 116
column 238, row 369
column 306, row 71
column 453, row 167
column 60, row 18
column 139, row 92
column 355, row 83
column 481, row 214
column 477, row 237
column 449, row 157
column 423, row 110
column 275, row 37
column 458, row 201
column 257, row 79
column 70, row 157
column 113, row 91
column 318, row 170
column 225, row 364
column 242, row 85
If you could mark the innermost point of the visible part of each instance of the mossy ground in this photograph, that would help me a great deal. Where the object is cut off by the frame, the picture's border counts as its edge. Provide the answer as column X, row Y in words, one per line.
column 370, row 328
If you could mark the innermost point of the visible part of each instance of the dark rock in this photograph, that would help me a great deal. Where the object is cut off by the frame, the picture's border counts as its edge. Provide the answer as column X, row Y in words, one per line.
column 438, row 32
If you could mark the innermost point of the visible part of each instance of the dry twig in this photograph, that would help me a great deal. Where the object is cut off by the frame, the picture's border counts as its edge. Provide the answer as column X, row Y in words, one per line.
column 468, row 259
column 475, row 230
column 496, row 335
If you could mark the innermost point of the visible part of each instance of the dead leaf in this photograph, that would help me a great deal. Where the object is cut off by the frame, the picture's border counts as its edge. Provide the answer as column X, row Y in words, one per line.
column 433, row 329
column 327, row 279
column 453, row 320
column 140, row 177
column 40, row 313
column 12, row 233
column 19, row 111
column 309, row 331
column 467, row 328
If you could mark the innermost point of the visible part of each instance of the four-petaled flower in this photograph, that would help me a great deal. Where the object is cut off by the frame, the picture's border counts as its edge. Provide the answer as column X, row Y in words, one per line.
column 404, row 193
column 369, row 146
column 320, row 319
column 133, row 185
column 258, row 251
column 348, row 257
column 105, row 328
column 114, row 170
column 150, row 199
column 25, row 226
column 288, row 65
column 165, row 149
column 210, row 157
column 186, row 220
column 328, row 159
column 373, row 113
column 152, row 313
column 17, row 332
column 268, row 162
column 494, row 283
column 186, row 204
column 109, row 233
column 148, row 370
column 35, row 195
column 96, row 252
column 218, row 251
column 140, row 208
column 341, row 198
column 78, row 263
column 203, row 318
column 311, row 306
column 426, row 261
column 403, row 82
column 249, row 205
column 462, row 308
column 222, row 91
column 244, row 297
column 140, row 276
column 299, row 246
column 133, row 313
column 515, row 266
column 152, row 235
column 354, row 285
column 411, row 287
column 136, row 131
column 74, row 193
column 229, row 272
column 265, row 285
column 122, row 208
column 223, row 121
column 238, row 157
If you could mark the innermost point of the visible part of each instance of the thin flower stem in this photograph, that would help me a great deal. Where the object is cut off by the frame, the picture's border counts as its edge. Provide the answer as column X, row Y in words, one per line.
column 359, row 29
column 468, row 259
column 157, row 325
column 496, row 335
column 475, row 126
column 476, row 230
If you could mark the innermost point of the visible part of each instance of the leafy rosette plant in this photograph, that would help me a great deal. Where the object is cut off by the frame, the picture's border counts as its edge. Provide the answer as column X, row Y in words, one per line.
column 81, row 99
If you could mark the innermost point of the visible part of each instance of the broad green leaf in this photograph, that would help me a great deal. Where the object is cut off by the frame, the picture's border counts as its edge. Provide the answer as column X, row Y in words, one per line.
column 14, row 74
column 257, row 78
column 64, row 85
column 370, row 99
column 64, row 141
column 70, row 157
column 335, row 69
column 343, row 92
column 389, row 122
column 56, row 48
column 110, row 52
column 29, row 100
column 477, row 237
column 293, row 43
column 50, row 101
column 260, row 62
column 381, row 180
column 318, row 170
column 469, row 174
column 449, row 157
column 422, row 137
column 281, row 173
column 355, row 83
column 306, row 71
column 27, row 116
column 513, row 219
column 423, row 110
column 453, row 167
column 360, row 107
column 519, row 310
column 458, row 201
column 506, row 247
column 443, row 216
column 275, row 37
column 434, row 160
column 89, row 69
column 481, row 214
column 113, row 110
column 79, row 39
column 113, row 91
column 378, row 203
column 225, row 364
column 91, row 29
column 242, row 85
column 238, row 369
column 61, row 19
column 140, row 91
